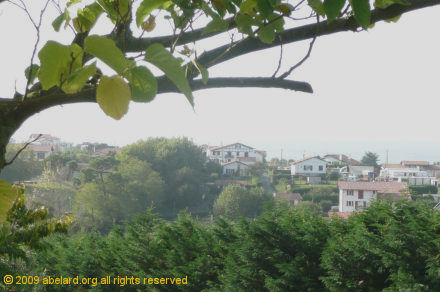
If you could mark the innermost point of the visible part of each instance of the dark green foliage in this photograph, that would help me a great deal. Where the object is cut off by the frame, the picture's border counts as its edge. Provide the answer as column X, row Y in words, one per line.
column 423, row 189
column 370, row 159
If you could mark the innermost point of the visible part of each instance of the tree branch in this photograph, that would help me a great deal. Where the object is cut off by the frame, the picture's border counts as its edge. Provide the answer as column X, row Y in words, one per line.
column 307, row 32
column 222, row 82
column 21, row 149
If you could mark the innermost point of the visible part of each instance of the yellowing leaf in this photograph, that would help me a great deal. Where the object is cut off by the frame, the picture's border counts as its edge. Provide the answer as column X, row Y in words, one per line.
column 7, row 197
column 146, row 7
column 149, row 24
column 113, row 96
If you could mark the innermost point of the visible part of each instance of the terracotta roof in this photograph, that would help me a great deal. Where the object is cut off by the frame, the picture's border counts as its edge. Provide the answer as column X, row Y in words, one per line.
column 244, row 159
column 291, row 197
column 41, row 148
column 304, row 159
column 414, row 163
column 433, row 167
column 105, row 151
column 219, row 147
column 381, row 187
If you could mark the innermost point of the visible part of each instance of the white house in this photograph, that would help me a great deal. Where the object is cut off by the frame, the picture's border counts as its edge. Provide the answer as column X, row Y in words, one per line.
column 357, row 172
column 312, row 166
column 355, row 196
column 49, row 140
column 41, row 152
column 235, row 151
column 414, row 176
column 234, row 168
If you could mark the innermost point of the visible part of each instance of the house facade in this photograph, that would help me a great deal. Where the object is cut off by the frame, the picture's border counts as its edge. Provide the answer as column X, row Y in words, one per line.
column 402, row 173
column 310, row 166
column 355, row 196
column 234, row 168
column 235, row 151
column 291, row 199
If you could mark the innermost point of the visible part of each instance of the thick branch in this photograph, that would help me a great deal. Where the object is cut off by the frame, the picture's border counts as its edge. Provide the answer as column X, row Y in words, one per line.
column 133, row 45
column 225, row 53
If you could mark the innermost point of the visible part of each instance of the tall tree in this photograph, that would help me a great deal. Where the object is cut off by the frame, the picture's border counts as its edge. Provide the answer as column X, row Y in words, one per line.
column 370, row 159
column 68, row 74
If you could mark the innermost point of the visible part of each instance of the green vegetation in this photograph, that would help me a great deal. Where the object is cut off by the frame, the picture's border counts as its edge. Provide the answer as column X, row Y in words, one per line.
column 391, row 247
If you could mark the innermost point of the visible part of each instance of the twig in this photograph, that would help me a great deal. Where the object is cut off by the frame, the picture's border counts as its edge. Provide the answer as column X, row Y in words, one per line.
column 285, row 74
column 37, row 27
column 19, row 151
column 281, row 57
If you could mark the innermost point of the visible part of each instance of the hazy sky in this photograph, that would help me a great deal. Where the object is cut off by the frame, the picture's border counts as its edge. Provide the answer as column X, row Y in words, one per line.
column 374, row 90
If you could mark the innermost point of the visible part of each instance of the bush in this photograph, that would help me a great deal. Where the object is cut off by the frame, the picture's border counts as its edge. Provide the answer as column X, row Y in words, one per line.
column 424, row 189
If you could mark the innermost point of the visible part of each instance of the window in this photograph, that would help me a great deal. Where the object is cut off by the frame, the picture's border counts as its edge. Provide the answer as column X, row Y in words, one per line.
column 349, row 203
column 238, row 153
column 321, row 168
column 229, row 153
column 40, row 155
column 308, row 167
column 246, row 154
column 360, row 194
column 350, row 193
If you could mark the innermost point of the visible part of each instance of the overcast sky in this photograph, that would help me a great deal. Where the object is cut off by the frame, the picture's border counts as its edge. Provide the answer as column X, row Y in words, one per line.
column 374, row 90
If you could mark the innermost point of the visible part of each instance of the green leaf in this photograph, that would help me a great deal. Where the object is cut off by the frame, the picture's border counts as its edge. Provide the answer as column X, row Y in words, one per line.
column 146, row 7
column 362, row 12
column 113, row 96
column 76, row 81
column 55, row 59
column 394, row 19
column 247, row 7
column 72, row 2
column 157, row 55
column 385, row 3
column 266, row 34
column 317, row 6
column 217, row 24
column 87, row 17
column 34, row 72
column 244, row 23
column 59, row 20
column 265, row 8
column 332, row 8
column 105, row 49
column 202, row 70
column 143, row 84
column 7, row 197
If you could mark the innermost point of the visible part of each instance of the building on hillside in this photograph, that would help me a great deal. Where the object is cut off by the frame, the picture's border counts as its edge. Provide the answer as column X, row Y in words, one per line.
column 292, row 199
column 234, row 168
column 340, row 159
column 357, row 172
column 402, row 173
column 355, row 196
column 235, row 151
column 49, row 140
column 41, row 152
column 310, row 166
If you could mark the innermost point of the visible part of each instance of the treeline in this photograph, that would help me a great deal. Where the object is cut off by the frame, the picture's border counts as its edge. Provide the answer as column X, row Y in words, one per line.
column 388, row 247
column 167, row 174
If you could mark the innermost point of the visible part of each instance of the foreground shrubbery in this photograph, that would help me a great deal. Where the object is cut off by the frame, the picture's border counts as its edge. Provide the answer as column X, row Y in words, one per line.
column 393, row 247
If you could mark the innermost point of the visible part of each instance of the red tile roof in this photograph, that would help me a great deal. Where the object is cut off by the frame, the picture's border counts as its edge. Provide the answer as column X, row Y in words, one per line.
column 41, row 148
column 381, row 187
column 391, row 165
column 219, row 147
column 415, row 163
column 233, row 161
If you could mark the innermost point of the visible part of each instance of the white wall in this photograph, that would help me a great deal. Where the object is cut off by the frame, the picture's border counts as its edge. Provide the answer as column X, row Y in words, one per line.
column 298, row 168
column 221, row 154
column 236, row 166
column 353, row 197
